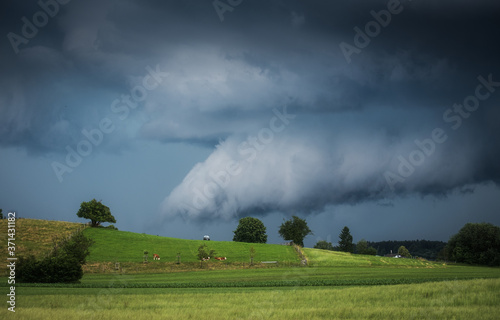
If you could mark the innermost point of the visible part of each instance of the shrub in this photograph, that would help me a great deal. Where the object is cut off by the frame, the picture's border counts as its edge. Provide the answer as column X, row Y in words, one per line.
column 63, row 265
column 50, row 269
column 322, row 244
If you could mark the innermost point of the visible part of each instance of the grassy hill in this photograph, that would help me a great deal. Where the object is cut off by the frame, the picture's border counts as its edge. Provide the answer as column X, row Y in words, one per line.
column 111, row 246
column 122, row 246
column 36, row 237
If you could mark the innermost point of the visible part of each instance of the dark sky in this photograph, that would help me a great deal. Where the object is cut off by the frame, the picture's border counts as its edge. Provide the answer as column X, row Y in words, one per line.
column 184, row 116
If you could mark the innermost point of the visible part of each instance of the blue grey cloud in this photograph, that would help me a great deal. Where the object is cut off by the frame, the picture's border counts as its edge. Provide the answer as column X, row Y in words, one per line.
column 357, row 117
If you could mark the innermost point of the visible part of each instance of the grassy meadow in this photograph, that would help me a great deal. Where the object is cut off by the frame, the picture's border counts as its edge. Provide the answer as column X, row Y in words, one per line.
column 122, row 246
column 127, row 248
column 333, row 285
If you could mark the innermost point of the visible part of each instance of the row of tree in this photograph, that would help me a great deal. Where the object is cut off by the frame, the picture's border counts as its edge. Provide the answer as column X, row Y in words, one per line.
column 346, row 244
column 252, row 230
column 475, row 243
column 421, row 248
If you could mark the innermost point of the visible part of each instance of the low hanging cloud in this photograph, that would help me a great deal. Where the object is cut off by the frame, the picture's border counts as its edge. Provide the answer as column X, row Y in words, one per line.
column 306, row 168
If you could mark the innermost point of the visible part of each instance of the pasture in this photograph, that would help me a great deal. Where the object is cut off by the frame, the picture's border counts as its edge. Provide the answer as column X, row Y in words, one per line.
column 122, row 246
column 334, row 285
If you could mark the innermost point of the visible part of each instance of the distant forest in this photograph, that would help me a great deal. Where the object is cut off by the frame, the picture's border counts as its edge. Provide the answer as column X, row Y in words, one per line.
column 420, row 248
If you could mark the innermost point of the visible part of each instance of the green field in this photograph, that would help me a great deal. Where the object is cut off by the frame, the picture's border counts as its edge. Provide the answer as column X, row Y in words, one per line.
column 333, row 285
column 463, row 299
column 121, row 246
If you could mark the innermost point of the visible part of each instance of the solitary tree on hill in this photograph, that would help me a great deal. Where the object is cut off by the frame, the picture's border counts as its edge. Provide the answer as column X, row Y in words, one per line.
column 250, row 230
column 345, row 243
column 96, row 212
column 295, row 229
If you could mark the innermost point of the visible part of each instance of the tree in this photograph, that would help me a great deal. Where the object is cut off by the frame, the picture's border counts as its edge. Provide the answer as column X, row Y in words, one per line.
column 96, row 212
column 371, row 251
column 322, row 244
column 78, row 247
column 250, row 230
column 476, row 243
column 345, row 243
column 443, row 255
column 1, row 214
column 295, row 229
column 402, row 251
column 363, row 248
column 204, row 253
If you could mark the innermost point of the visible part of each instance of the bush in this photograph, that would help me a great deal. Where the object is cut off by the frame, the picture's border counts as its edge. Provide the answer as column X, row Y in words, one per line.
column 64, row 265
column 322, row 244
column 49, row 269
column 77, row 247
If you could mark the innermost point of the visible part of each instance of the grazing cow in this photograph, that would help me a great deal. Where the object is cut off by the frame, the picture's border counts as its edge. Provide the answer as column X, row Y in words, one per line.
column 205, row 259
column 220, row 258
column 156, row 257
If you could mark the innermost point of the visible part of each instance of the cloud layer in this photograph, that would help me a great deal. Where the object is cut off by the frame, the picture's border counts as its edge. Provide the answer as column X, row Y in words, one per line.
column 354, row 120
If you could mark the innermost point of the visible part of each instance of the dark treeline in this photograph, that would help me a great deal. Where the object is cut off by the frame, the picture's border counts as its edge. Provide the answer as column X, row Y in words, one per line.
column 420, row 248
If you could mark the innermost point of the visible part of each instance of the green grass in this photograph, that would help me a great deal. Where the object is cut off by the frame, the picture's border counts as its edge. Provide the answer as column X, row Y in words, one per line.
column 464, row 299
column 326, row 258
column 122, row 246
column 279, row 277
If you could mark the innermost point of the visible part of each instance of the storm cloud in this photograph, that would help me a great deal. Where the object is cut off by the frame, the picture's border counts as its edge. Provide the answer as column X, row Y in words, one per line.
column 398, row 112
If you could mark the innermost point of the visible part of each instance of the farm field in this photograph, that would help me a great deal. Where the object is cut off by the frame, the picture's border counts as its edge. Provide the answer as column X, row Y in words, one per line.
column 281, row 277
column 458, row 299
column 333, row 285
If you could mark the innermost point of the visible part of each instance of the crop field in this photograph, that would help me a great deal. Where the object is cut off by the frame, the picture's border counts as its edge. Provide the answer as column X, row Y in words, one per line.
column 333, row 285
column 457, row 299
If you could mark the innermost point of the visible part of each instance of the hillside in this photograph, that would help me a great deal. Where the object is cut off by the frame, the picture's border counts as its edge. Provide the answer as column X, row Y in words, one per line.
column 36, row 236
column 327, row 258
column 122, row 246
column 111, row 246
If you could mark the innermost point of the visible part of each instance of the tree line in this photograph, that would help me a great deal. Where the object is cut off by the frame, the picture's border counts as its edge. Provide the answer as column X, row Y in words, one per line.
column 475, row 243
column 420, row 248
